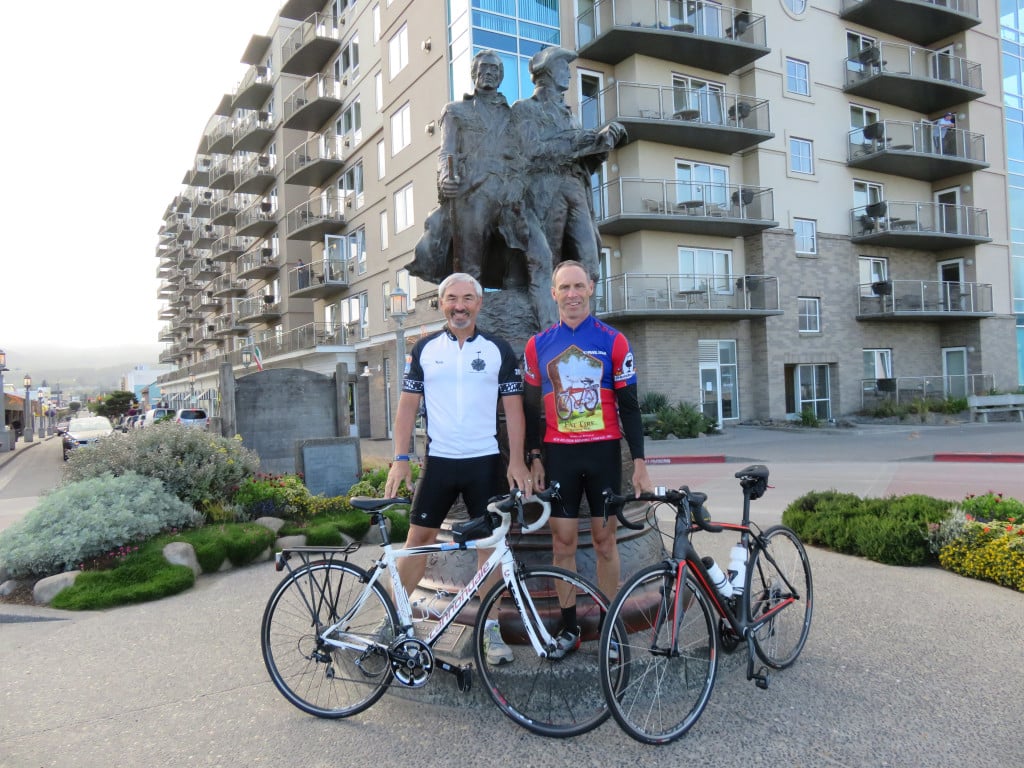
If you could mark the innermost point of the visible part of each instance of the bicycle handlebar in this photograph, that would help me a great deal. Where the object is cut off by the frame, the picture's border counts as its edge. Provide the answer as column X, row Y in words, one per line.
column 516, row 500
column 686, row 502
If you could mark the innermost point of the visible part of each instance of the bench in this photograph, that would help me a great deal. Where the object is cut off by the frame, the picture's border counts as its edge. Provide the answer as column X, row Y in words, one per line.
column 983, row 405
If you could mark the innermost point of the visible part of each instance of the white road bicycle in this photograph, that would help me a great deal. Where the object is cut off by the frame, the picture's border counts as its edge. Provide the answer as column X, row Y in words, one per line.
column 333, row 639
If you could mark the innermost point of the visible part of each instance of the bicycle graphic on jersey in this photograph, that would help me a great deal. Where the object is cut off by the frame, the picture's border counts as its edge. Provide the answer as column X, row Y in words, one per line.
column 577, row 399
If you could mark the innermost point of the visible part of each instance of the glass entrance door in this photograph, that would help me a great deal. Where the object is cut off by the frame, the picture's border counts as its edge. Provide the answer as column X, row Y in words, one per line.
column 711, row 392
column 954, row 371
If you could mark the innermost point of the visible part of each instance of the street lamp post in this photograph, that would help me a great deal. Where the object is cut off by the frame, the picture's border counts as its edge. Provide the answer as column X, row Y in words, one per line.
column 42, row 417
column 191, row 388
column 26, row 419
column 399, row 310
column 5, row 444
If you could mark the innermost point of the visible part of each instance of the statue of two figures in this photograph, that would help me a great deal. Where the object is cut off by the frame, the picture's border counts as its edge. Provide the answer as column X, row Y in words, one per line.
column 515, row 193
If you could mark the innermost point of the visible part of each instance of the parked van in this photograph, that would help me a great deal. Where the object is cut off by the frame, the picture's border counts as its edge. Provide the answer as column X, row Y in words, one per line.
column 154, row 415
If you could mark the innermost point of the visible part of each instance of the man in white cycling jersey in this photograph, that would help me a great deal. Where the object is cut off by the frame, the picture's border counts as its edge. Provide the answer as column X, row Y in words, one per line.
column 459, row 373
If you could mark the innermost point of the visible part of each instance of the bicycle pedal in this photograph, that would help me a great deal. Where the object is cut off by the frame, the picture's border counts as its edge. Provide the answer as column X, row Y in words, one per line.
column 762, row 679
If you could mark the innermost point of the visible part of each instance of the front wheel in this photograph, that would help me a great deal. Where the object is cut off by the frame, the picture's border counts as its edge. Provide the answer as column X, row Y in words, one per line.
column 665, row 671
column 779, row 585
column 563, row 406
column 317, row 677
column 550, row 697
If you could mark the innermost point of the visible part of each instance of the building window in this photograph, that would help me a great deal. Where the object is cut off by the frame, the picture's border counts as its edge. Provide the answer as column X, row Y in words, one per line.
column 384, row 234
column 350, row 186
column 381, row 158
column 805, row 233
column 348, row 63
column 810, row 388
column 405, row 215
column 354, row 315
column 809, row 314
column 798, row 79
column 401, row 129
column 877, row 365
column 796, row 6
column 378, row 90
column 801, row 156
column 398, row 51
column 355, row 250
column 376, row 22
column 385, row 290
column 350, row 124
column 408, row 284
column 873, row 270
column 703, row 268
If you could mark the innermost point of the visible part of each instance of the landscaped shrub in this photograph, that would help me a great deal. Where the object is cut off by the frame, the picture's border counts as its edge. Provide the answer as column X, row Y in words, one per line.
column 683, row 420
column 989, row 549
column 238, row 543
column 198, row 467
column 993, row 506
column 892, row 530
column 809, row 418
column 652, row 402
column 372, row 483
column 88, row 519
column 274, row 496
column 143, row 577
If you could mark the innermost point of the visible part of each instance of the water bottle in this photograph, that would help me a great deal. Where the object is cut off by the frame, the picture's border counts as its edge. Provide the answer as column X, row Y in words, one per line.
column 718, row 579
column 737, row 568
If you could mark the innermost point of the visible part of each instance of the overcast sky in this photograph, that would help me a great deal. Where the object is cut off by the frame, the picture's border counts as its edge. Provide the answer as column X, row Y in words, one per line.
column 104, row 103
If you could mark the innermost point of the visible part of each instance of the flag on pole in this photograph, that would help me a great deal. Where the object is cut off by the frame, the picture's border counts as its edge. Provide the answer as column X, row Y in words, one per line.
column 257, row 357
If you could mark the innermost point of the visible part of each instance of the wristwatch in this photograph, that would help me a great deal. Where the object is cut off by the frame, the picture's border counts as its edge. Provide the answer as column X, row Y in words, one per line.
column 531, row 456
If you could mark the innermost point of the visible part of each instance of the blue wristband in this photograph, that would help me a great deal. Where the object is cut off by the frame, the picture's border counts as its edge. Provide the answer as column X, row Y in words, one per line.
column 401, row 457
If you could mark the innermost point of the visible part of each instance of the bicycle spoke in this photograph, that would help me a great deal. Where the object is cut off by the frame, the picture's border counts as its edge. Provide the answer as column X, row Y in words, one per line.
column 780, row 585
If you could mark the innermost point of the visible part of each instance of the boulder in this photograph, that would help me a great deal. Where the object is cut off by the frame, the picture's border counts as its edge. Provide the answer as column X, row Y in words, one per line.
column 180, row 553
column 46, row 589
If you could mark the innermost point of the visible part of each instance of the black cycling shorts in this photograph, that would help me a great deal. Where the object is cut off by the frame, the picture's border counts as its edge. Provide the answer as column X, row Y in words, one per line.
column 582, row 468
column 441, row 482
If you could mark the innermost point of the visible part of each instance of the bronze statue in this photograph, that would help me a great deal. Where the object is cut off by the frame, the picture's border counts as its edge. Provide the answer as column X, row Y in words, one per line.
column 514, row 186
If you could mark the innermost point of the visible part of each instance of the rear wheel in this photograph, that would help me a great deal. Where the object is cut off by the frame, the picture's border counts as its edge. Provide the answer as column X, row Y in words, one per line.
column 319, row 678
column 779, row 584
column 669, row 659
column 551, row 697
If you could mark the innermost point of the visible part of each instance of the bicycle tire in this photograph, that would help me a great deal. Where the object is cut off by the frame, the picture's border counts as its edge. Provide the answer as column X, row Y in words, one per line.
column 564, row 406
column 779, row 641
column 550, row 697
column 590, row 400
column 318, row 678
column 659, row 694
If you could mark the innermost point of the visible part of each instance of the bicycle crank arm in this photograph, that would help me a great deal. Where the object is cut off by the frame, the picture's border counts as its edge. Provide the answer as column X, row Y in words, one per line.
column 463, row 675
column 761, row 678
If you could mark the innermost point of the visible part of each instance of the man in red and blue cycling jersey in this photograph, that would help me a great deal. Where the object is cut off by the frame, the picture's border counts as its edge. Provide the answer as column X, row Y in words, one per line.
column 580, row 374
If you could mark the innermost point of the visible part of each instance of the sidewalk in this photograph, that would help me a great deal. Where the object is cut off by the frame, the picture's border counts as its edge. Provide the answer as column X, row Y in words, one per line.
column 19, row 447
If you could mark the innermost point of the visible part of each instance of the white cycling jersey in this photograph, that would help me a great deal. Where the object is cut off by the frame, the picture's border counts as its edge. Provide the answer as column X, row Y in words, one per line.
column 460, row 387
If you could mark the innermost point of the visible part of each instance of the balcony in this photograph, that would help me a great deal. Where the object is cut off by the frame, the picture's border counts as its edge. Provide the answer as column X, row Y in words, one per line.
column 923, row 226
column 199, row 174
column 187, row 258
column 257, row 176
column 206, row 302
column 167, row 356
column 257, row 264
column 221, row 136
column 308, row 336
column 166, row 313
column 692, row 295
column 202, row 203
column 299, row 9
column 229, row 287
column 914, row 78
column 320, row 280
column 923, row 300
column 231, row 247
column 314, row 162
column 207, row 234
column 258, row 220
column 666, row 205
column 311, row 220
column 311, row 45
column 166, row 290
column 254, row 90
column 228, row 325
column 206, row 270
column 310, row 106
column 689, row 32
column 190, row 288
column 222, row 174
column 916, row 150
column 684, row 117
column 919, row 21
column 911, row 388
column 259, row 309
column 225, row 209
column 253, row 132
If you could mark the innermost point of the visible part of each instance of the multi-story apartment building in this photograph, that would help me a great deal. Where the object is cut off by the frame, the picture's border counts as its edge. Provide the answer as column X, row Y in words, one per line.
column 810, row 212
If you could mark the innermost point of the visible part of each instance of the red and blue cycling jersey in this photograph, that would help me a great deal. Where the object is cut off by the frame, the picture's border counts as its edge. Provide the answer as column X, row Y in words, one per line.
column 578, row 370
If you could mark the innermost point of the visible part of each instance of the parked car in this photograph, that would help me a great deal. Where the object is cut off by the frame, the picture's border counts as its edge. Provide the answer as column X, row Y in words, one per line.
column 193, row 417
column 86, row 431
column 154, row 415
column 130, row 422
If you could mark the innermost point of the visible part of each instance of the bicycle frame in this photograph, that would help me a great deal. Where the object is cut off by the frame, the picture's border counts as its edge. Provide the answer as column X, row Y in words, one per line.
column 502, row 555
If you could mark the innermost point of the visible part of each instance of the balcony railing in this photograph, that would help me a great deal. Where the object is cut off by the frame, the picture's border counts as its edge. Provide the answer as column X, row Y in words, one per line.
column 315, row 161
column 915, row 299
column 713, row 120
column 311, row 220
column 253, row 132
column 319, row 279
column 231, row 247
column 259, row 309
column 311, row 45
column 690, row 32
column 257, row 175
column 919, row 21
column 258, row 219
column 935, row 226
column 257, row 264
column 729, row 210
column 312, row 104
column 916, row 149
column 707, row 295
column 916, row 78
column 255, row 88
column 907, row 389
column 308, row 336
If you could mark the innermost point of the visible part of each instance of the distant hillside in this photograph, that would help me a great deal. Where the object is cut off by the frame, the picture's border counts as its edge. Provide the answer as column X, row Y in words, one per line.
column 99, row 368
